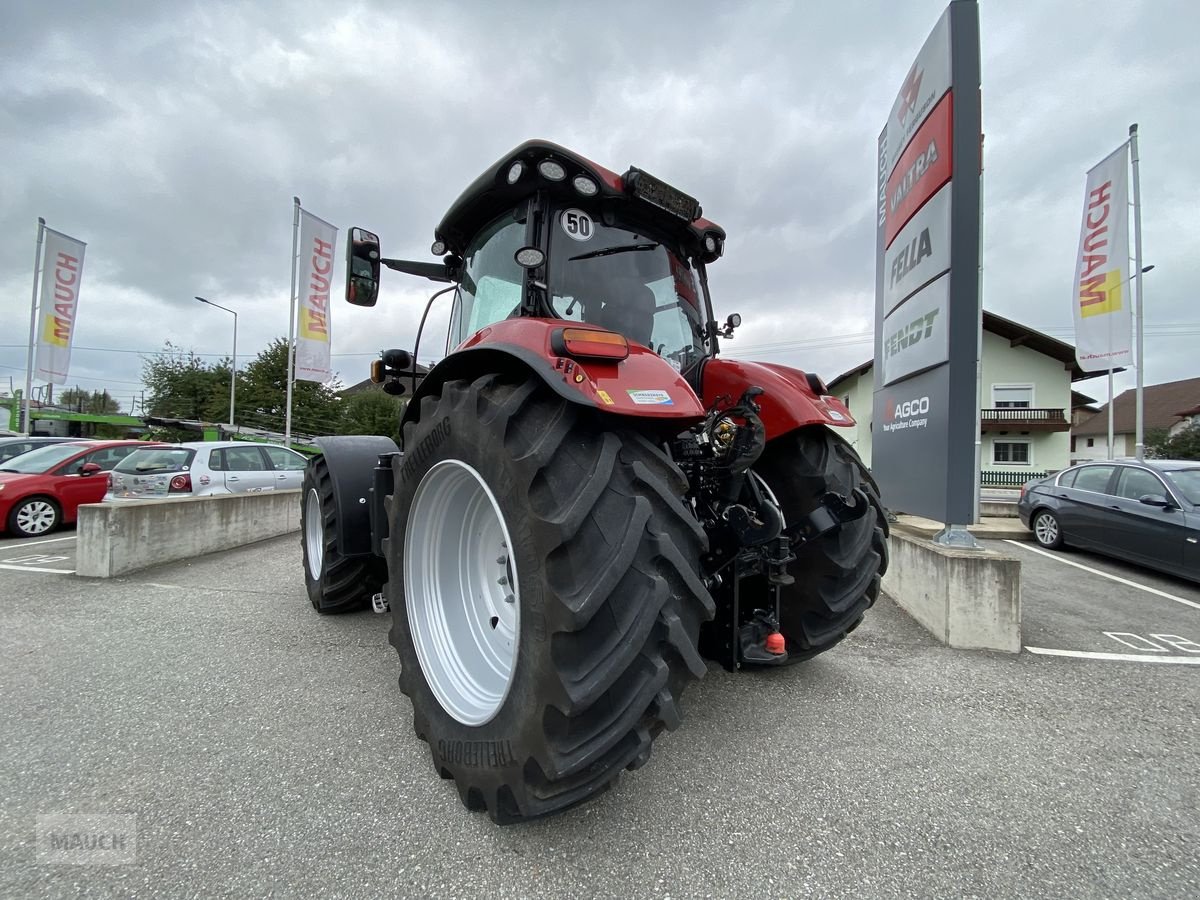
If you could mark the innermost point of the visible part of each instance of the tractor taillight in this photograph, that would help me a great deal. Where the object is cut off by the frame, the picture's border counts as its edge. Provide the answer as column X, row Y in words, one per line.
column 181, row 484
column 595, row 344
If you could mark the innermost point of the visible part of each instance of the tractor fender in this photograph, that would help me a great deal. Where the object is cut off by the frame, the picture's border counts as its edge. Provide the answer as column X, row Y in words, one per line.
column 643, row 386
column 351, row 460
column 791, row 398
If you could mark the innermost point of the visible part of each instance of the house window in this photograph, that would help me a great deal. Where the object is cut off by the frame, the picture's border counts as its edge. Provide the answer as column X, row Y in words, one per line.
column 1091, row 442
column 1012, row 396
column 1011, row 452
column 846, row 401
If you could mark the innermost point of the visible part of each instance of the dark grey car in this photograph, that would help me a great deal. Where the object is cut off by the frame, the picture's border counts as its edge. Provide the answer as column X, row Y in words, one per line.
column 1141, row 512
column 15, row 446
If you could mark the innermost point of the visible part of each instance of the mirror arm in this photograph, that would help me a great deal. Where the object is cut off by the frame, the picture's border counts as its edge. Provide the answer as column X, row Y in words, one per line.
column 432, row 271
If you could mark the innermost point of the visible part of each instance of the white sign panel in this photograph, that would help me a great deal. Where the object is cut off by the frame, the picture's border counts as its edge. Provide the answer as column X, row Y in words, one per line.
column 317, row 239
column 927, row 80
column 920, row 252
column 916, row 334
column 1103, row 313
column 62, row 269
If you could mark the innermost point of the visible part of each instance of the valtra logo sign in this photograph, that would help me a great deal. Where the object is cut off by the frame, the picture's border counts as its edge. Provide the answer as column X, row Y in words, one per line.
column 922, row 170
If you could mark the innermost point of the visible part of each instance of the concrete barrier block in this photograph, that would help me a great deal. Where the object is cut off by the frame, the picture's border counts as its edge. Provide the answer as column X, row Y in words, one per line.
column 969, row 599
column 119, row 537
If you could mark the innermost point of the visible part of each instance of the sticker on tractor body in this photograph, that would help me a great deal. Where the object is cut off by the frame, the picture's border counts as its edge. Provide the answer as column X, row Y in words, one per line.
column 577, row 225
column 603, row 395
column 650, row 398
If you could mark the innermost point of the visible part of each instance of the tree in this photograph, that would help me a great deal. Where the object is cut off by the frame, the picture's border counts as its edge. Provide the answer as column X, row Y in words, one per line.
column 1185, row 445
column 262, row 396
column 100, row 403
column 183, row 386
column 373, row 412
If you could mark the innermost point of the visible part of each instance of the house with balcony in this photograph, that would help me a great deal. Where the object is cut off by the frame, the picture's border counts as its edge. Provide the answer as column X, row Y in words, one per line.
column 1026, row 402
column 1172, row 406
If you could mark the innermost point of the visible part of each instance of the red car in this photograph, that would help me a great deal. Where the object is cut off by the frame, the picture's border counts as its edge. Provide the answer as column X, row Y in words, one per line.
column 43, row 488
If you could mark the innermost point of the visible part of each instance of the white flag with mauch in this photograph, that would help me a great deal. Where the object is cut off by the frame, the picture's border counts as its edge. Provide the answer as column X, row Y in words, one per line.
column 1103, row 308
column 62, row 269
column 317, row 239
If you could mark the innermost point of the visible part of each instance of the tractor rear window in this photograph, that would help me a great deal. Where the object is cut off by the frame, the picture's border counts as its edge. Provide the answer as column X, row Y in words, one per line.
column 491, row 284
column 626, row 282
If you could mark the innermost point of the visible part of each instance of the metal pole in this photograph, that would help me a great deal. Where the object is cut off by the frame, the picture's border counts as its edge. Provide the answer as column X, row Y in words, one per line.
column 1110, row 415
column 233, row 374
column 287, row 424
column 1140, row 436
column 37, row 258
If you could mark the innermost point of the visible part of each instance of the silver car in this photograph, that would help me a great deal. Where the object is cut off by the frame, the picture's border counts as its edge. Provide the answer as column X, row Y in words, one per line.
column 201, row 468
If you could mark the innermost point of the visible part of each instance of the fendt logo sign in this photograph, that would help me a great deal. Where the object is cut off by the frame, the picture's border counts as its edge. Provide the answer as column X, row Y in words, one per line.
column 915, row 333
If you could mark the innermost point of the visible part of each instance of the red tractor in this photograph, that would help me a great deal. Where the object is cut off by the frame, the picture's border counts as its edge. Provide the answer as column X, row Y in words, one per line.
column 589, row 500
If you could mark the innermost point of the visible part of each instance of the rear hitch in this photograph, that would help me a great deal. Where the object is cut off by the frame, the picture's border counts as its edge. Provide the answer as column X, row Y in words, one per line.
column 759, row 641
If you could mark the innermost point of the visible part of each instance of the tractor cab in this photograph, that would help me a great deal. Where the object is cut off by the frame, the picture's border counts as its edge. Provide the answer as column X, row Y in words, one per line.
column 545, row 233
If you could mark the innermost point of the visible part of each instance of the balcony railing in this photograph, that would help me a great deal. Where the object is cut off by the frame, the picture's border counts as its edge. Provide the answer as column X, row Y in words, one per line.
column 1024, row 419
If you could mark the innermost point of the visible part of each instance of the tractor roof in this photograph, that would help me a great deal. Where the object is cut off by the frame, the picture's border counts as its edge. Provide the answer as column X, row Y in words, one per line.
column 492, row 193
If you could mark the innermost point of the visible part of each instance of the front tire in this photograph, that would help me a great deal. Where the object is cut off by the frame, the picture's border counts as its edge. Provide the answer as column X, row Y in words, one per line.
column 602, row 559
column 837, row 576
column 34, row 516
column 335, row 583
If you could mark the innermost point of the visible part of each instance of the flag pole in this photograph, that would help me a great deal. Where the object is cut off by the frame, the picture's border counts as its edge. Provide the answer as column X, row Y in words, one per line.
column 1140, row 437
column 37, row 259
column 1110, row 415
column 291, row 354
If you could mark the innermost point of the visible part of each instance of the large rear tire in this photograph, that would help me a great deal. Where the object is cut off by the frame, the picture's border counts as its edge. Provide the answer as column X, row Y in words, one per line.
column 602, row 561
column 837, row 576
column 335, row 583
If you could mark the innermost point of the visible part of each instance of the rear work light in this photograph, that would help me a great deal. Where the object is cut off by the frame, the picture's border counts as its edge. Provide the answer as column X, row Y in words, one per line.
column 586, row 342
column 181, row 484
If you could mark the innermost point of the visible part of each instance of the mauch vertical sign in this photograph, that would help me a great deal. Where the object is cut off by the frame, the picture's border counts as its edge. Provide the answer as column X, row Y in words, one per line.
column 927, row 312
column 62, row 269
column 317, row 239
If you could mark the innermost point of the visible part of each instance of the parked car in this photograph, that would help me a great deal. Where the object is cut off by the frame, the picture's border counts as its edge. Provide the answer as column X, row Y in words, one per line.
column 1142, row 512
column 43, row 488
column 200, row 468
column 16, row 445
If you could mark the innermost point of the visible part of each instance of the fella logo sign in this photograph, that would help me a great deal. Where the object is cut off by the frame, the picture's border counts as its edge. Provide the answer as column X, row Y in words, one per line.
column 920, row 252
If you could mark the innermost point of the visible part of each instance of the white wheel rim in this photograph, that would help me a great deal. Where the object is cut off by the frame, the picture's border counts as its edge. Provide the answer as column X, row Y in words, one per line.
column 314, row 533
column 1046, row 529
column 36, row 517
column 461, row 592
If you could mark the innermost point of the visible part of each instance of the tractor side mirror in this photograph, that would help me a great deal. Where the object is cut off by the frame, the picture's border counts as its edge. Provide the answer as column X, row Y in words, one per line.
column 362, row 267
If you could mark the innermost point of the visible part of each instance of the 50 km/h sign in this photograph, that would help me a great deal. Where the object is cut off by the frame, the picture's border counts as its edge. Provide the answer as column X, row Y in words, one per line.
column 927, row 254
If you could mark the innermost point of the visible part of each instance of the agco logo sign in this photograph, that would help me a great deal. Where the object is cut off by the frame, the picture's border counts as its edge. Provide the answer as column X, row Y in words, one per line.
column 905, row 414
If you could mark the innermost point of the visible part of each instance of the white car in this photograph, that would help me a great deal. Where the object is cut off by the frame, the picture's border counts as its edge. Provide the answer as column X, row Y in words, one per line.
column 201, row 468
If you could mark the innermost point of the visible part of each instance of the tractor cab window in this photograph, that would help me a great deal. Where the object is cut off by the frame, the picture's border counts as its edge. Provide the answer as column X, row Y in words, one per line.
column 491, row 282
column 627, row 282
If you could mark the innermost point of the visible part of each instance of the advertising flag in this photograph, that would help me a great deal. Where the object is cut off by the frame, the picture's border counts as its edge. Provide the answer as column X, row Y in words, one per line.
column 317, row 239
column 62, row 269
column 1103, row 312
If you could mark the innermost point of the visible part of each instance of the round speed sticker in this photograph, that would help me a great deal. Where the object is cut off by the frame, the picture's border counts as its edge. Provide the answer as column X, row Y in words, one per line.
column 577, row 224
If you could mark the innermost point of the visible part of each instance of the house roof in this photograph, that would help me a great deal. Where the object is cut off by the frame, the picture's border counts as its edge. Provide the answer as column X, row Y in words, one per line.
column 1082, row 401
column 1017, row 335
column 1159, row 403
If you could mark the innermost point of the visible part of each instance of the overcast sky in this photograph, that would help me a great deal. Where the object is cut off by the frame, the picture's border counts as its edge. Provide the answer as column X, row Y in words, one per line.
column 172, row 136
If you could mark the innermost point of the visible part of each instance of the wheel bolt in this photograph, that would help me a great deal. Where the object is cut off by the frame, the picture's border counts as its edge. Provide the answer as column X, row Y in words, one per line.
column 503, row 579
column 510, row 599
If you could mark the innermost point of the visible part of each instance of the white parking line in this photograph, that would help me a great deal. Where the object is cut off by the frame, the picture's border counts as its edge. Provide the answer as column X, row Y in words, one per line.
column 36, row 569
column 1125, row 581
column 35, row 543
column 1119, row 657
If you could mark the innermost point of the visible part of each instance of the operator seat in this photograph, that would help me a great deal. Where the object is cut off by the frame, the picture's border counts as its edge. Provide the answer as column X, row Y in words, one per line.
column 630, row 311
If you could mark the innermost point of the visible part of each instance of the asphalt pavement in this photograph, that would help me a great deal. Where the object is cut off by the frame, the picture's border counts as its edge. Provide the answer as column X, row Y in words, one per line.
column 262, row 749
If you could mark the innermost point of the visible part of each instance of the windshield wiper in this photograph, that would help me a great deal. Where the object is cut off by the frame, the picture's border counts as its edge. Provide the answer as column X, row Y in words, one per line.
column 16, row 471
column 609, row 251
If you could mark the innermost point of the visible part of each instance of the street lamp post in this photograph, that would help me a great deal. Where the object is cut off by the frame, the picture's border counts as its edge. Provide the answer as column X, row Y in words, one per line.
column 233, row 365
